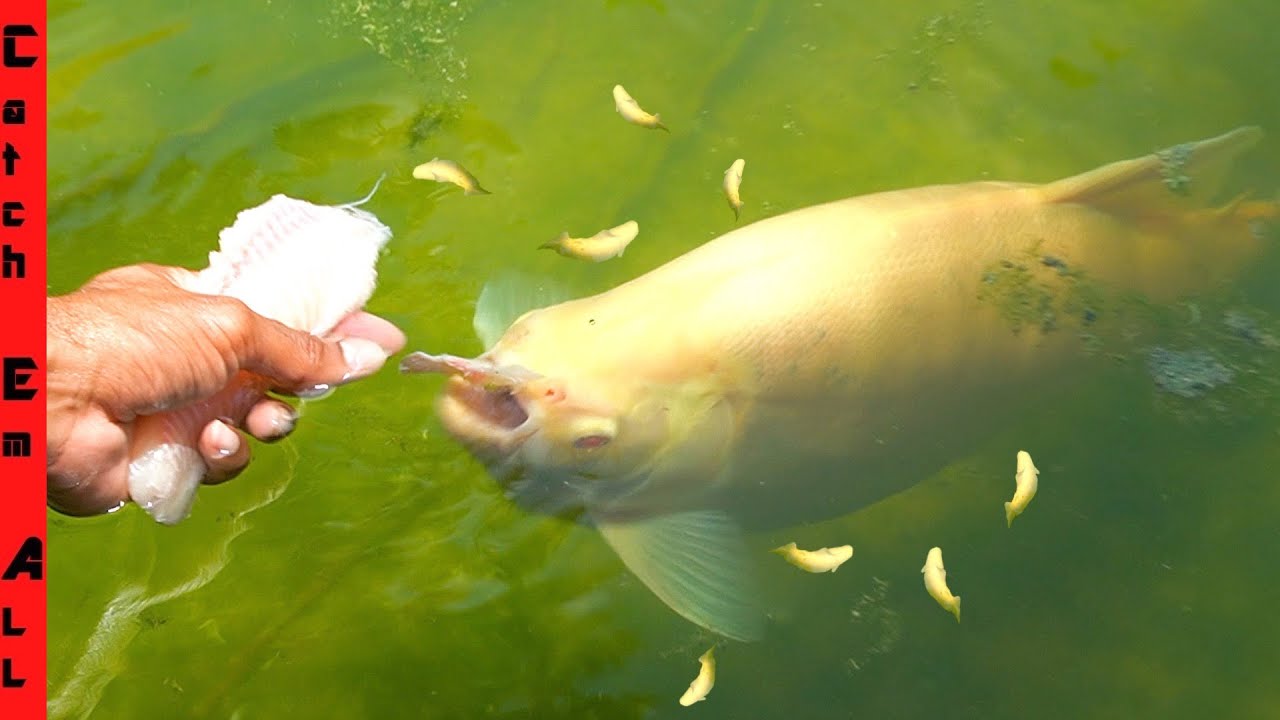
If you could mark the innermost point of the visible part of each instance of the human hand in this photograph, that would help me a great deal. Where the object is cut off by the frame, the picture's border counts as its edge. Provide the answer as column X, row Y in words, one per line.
column 132, row 346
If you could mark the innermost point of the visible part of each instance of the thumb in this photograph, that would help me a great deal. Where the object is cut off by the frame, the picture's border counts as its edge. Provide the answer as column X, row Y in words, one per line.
column 295, row 361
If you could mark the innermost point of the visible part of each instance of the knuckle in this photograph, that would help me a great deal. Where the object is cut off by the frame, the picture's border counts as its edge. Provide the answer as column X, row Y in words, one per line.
column 228, row 325
column 127, row 275
column 307, row 360
column 231, row 319
column 313, row 352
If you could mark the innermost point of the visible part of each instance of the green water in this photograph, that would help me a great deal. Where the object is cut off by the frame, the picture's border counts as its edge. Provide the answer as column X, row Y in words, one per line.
column 368, row 568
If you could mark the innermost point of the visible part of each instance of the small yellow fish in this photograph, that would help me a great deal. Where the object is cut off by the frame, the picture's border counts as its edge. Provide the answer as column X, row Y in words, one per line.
column 701, row 685
column 815, row 561
column 935, row 581
column 632, row 112
column 1027, row 478
column 732, row 180
column 449, row 171
column 597, row 248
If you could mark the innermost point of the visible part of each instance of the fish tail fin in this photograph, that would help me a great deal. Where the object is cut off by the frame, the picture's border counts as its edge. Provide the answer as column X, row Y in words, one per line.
column 657, row 123
column 555, row 244
column 737, row 213
column 1009, row 514
column 957, row 608
column 784, row 549
column 1241, row 205
column 476, row 190
column 1255, row 213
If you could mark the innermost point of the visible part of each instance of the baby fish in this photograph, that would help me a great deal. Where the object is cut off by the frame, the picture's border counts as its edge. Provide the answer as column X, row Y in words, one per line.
column 632, row 112
column 935, row 581
column 732, row 180
column 449, row 171
column 597, row 248
column 815, row 561
column 1027, row 478
column 701, row 685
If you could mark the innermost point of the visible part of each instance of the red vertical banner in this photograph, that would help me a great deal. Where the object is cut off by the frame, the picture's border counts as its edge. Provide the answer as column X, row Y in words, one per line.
column 23, row 252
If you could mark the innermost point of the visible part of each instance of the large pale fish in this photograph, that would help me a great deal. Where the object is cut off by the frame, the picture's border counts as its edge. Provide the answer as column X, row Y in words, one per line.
column 862, row 343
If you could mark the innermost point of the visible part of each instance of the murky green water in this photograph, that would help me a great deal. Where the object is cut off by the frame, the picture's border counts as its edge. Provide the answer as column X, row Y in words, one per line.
column 369, row 568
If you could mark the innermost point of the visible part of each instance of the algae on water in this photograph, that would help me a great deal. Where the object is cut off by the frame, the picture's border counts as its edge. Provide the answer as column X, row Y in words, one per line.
column 1173, row 165
column 1187, row 373
column 417, row 35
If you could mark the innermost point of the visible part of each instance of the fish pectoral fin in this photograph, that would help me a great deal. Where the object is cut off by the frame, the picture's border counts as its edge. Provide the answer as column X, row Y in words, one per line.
column 1186, row 175
column 508, row 296
column 697, row 563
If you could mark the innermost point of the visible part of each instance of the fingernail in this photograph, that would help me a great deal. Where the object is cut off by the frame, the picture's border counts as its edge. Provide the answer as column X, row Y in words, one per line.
column 315, row 392
column 224, row 440
column 282, row 421
column 363, row 357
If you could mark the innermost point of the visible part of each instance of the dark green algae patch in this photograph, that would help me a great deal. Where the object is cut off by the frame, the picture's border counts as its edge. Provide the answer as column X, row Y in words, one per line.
column 1041, row 291
column 1205, row 357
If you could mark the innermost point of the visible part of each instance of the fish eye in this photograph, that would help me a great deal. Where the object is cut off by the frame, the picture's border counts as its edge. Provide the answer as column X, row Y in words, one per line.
column 591, row 442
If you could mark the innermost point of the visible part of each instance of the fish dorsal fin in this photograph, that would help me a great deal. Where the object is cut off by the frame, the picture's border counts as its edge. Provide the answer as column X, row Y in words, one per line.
column 697, row 563
column 1186, row 175
column 507, row 297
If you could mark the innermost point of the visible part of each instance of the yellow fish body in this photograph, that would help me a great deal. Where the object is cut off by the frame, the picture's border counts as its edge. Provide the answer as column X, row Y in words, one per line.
column 733, row 184
column 701, row 685
column 441, row 170
column 602, row 246
column 1027, row 480
column 935, row 582
column 631, row 111
column 815, row 561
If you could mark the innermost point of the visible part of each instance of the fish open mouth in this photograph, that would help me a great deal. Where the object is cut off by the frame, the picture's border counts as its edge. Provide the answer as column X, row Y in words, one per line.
column 495, row 406
column 483, row 407
column 488, row 421
column 479, row 405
